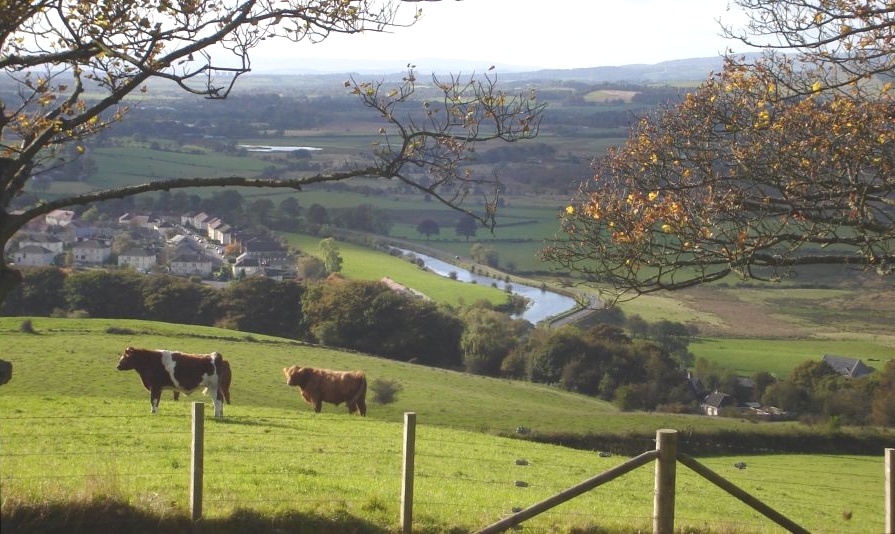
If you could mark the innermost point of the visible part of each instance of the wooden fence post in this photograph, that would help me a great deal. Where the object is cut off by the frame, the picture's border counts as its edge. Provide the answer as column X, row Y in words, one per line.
column 890, row 492
column 198, row 459
column 407, row 481
column 666, row 470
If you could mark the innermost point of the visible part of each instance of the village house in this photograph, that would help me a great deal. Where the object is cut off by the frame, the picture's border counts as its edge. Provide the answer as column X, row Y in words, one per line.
column 191, row 265
column 266, row 250
column 245, row 267
column 220, row 232
column 34, row 256
column 143, row 221
column 197, row 221
column 59, row 217
column 49, row 242
column 847, row 367
column 277, row 274
column 210, row 225
column 138, row 258
column 79, row 230
column 716, row 402
column 91, row 252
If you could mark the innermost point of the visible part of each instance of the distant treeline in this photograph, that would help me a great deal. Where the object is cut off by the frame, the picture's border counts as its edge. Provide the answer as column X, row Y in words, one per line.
column 264, row 114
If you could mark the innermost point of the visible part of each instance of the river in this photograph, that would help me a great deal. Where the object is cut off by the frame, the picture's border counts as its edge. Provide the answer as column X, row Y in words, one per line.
column 542, row 304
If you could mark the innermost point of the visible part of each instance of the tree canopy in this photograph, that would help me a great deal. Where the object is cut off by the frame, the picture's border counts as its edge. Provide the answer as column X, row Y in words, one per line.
column 74, row 63
column 850, row 39
column 766, row 167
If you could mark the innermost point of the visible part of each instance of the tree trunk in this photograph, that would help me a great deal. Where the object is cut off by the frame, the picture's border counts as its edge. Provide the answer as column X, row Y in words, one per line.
column 9, row 279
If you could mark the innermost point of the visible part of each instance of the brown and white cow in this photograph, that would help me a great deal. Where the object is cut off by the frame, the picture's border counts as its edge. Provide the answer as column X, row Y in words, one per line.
column 184, row 373
column 324, row 385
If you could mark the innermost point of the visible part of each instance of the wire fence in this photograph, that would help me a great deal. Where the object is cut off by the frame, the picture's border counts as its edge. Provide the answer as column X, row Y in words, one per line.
column 462, row 479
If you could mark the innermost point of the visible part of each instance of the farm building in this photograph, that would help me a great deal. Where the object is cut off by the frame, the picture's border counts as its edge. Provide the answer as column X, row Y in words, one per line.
column 715, row 402
column 847, row 367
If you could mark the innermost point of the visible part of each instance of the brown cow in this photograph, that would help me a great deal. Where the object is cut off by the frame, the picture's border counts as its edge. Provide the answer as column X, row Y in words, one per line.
column 184, row 373
column 323, row 385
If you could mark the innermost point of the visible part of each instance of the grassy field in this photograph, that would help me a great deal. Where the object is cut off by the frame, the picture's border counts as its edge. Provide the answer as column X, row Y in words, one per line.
column 780, row 356
column 362, row 263
column 90, row 428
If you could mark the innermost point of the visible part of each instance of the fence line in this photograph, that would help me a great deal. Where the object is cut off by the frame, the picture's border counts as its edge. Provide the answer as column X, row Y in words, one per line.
column 406, row 512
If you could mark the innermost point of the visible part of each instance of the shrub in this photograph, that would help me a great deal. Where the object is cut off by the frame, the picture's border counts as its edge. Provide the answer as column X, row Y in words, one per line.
column 27, row 327
column 385, row 390
column 120, row 331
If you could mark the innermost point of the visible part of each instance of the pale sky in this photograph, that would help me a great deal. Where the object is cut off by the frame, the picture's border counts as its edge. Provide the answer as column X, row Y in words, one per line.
column 544, row 33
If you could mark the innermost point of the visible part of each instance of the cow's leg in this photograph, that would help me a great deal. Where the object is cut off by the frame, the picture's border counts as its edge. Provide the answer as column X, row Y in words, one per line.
column 362, row 407
column 155, row 395
column 218, row 403
column 318, row 405
column 352, row 407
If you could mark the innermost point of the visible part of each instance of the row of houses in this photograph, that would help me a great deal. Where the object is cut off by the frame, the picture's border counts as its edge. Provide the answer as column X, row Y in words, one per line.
column 216, row 229
column 191, row 247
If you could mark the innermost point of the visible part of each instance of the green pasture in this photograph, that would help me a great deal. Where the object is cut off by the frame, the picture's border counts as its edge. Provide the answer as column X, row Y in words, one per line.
column 610, row 95
column 780, row 356
column 122, row 166
column 67, row 439
column 362, row 263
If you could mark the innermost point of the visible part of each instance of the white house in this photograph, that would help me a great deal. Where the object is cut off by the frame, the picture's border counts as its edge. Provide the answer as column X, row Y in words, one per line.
column 245, row 267
column 91, row 251
column 197, row 221
column 210, row 225
column 51, row 243
column 191, row 265
column 716, row 402
column 222, row 234
column 59, row 217
column 138, row 258
column 34, row 256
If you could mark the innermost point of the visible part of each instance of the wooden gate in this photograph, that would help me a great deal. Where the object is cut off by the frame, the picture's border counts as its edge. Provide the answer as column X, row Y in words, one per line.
column 666, row 456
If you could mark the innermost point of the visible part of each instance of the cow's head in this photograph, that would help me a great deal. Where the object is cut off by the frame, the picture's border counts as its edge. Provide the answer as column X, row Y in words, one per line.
column 127, row 361
column 296, row 376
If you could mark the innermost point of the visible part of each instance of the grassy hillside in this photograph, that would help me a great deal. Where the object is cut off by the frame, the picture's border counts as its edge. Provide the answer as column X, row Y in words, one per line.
column 362, row 263
column 273, row 464
column 84, row 348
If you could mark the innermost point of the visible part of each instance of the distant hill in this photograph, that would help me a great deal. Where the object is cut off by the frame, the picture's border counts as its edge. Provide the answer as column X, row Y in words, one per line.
column 692, row 69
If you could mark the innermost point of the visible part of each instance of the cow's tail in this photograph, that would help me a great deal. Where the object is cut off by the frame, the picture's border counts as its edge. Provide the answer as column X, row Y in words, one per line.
column 224, row 376
column 361, row 393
